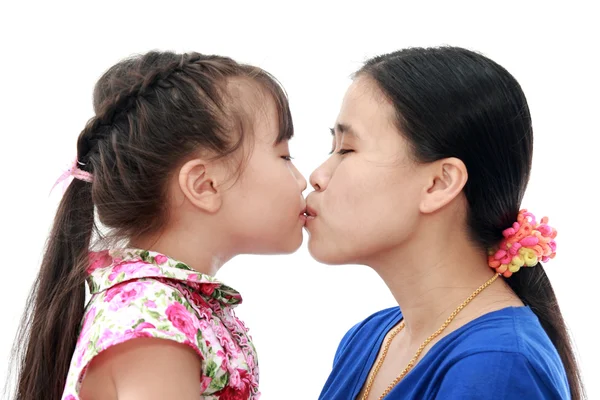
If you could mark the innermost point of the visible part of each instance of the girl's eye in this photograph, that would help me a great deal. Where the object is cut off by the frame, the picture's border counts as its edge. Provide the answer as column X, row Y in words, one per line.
column 344, row 151
column 287, row 158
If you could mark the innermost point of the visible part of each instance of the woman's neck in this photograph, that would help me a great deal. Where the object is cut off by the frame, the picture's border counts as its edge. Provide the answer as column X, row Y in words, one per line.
column 429, row 282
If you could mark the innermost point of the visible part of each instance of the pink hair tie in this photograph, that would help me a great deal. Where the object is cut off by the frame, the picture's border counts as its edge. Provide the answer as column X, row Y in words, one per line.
column 74, row 172
column 525, row 244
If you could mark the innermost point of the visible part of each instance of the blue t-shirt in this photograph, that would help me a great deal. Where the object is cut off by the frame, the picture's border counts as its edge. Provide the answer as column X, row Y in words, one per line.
column 505, row 354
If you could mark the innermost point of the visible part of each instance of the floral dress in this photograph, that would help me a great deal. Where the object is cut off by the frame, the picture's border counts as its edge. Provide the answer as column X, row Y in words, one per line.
column 137, row 293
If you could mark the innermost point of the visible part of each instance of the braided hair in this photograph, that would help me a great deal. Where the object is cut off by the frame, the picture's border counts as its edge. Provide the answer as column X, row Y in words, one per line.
column 151, row 112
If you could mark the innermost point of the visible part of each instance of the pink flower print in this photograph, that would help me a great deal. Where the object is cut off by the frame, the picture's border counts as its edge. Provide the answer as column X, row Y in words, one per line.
column 239, row 392
column 106, row 339
column 215, row 305
column 203, row 325
column 133, row 334
column 182, row 320
column 220, row 355
column 135, row 268
column 87, row 324
column 205, row 383
column 233, row 349
column 144, row 325
column 84, row 338
column 220, row 334
column 80, row 353
column 234, row 297
column 229, row 322
column 241, row 323
column 225, row 340
column 194, row 346
column 224, row 363
column 218, row 330
column 121, row 295
column 150, row 304
column 250, row 361
column 70, row 397
column 138, row 332
column 160, row 259
column 110, row 338
column 99, row 259
column 204, row 313
column 234, row 379
column 199, row 300
column 209, row 288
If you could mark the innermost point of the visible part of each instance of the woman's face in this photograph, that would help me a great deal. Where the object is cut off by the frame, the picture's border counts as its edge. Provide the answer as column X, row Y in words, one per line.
column 367, row 193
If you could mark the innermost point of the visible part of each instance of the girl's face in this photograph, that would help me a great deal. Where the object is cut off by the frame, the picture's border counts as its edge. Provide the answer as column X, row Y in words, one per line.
column 367, row 193
column 265, row 207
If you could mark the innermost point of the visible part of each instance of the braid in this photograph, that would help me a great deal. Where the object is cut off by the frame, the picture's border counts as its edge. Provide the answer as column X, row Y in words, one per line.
column 100, row 126
column 141, row 80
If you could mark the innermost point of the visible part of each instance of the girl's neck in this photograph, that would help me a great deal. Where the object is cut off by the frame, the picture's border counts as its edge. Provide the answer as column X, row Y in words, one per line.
column 199, row 253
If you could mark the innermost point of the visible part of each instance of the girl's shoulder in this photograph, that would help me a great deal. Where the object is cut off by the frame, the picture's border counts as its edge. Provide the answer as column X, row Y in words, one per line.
column 146, row 296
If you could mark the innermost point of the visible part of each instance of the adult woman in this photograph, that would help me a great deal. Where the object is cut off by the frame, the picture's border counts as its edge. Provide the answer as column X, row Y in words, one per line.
column 431, row 157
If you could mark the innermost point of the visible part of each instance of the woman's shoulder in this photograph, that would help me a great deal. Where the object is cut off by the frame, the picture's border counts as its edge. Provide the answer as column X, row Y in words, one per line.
column 510, row 330
column 511, row 340
column 374, row 322
column 494, row 374
column 377, row 320
column 369, row 329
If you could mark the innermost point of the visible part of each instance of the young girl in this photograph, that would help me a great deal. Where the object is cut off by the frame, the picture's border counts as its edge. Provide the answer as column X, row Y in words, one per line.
column 186, row 165
column 433, row 151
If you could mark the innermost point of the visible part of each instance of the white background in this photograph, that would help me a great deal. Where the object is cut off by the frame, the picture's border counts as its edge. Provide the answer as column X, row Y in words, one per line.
column 53, row 52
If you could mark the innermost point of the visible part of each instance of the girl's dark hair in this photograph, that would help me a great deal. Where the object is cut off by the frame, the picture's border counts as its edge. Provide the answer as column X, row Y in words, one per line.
column 152, row 111
column 452, row 102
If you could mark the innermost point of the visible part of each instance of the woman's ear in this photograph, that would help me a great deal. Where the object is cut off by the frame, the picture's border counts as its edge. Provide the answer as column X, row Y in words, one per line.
column 447, row 180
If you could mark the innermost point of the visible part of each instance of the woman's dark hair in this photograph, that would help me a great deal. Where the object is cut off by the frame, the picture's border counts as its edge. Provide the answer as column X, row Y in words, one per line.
column 152, row 111
column 452, row 102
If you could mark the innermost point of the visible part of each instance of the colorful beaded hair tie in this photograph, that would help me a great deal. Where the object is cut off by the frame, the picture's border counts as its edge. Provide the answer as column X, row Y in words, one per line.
column 525, row 244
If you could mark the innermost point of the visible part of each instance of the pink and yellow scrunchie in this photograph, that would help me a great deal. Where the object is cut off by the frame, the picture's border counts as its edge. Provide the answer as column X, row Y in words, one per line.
column 525, row 244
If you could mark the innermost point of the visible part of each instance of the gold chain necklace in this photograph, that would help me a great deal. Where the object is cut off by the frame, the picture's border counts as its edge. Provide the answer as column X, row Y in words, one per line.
column 413, row 361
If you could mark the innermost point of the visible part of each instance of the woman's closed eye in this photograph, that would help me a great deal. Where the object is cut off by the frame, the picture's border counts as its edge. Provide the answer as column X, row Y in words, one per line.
column 341, row 151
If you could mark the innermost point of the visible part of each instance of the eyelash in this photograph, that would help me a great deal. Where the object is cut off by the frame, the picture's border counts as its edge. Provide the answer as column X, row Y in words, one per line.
column 341, row 152
column 287, row 158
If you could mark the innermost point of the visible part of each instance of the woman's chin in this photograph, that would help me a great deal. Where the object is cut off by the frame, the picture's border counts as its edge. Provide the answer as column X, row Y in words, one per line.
column 326, row 254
